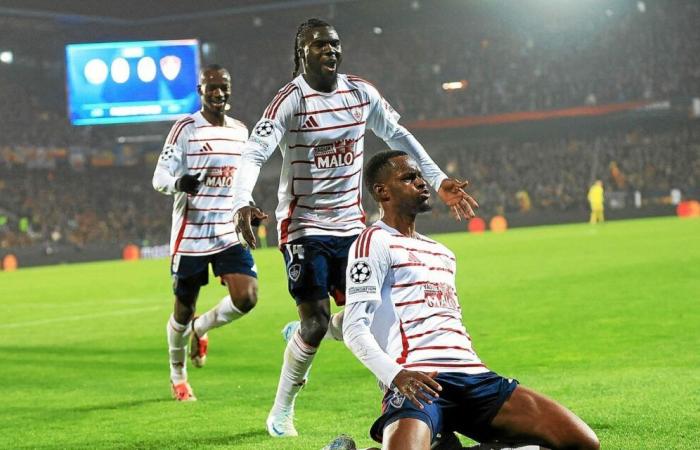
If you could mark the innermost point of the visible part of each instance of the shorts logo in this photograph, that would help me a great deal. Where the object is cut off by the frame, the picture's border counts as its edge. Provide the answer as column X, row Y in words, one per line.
column 264, row 128
column 294, row 271
column 360, row 272
column 396, row 400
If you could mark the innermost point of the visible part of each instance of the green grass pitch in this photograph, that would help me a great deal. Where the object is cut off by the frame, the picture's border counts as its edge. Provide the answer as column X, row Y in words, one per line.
column 605, row 319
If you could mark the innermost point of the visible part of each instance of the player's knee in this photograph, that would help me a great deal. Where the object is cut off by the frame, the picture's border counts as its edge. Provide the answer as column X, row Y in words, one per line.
column 184, row 310
column 582, row 437
column 245, row 297
column 313, row 329
column 588, row 441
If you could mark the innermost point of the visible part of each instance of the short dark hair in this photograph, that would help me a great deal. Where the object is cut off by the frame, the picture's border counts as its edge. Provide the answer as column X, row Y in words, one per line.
column 303, row 27
column 376, row 165
column 209, row 67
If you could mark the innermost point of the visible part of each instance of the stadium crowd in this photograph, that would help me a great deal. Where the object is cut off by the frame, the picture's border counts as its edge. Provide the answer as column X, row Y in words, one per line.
column 507, row 175
column 555, row 173
column 510, row 61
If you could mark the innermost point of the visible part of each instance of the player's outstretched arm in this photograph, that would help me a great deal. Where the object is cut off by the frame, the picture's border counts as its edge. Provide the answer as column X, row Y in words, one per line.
column 244, row 219
column 461, row 204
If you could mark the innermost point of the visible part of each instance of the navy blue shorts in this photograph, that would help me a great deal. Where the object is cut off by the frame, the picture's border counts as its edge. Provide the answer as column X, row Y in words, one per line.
column 467, row 405
column 195, row 269
column 316, row 267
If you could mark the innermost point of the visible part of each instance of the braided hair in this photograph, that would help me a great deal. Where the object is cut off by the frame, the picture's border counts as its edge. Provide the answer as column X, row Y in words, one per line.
column 303, row 28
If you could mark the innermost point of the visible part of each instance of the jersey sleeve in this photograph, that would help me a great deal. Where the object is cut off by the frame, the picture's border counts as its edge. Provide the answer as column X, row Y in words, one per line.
column 383, row 120
column 262, row 142
column 368, row 264
column 172, row 162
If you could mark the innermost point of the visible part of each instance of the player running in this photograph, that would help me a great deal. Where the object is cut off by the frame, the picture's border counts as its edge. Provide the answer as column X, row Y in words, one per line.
column 319, row 121
column 197, row 164
column 403, row 321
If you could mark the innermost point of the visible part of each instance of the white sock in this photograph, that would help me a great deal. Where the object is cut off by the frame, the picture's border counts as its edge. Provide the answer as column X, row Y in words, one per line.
column 177, row 347
column 297, row 358
column 223, row 313
column 335, row 327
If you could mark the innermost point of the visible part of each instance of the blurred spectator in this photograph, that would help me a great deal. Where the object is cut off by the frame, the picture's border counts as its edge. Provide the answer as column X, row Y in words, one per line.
column 507, row 175
column 511, row 56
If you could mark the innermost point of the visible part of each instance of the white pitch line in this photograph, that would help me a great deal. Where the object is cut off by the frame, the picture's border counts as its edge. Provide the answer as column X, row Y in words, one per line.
column 85, row 302
column 83, row 317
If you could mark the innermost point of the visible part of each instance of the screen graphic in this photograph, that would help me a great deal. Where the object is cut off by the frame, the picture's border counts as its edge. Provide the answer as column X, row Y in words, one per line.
column 123, row 82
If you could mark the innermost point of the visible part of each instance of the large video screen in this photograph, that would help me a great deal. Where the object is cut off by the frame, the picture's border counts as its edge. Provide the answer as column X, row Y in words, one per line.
column 122, row 82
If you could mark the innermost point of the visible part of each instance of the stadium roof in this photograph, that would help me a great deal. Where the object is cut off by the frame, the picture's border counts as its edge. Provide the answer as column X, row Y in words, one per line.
column 140, row 12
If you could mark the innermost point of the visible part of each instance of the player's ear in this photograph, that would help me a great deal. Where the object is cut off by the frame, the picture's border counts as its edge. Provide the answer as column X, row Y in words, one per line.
column 199, row 89
column 380, row 192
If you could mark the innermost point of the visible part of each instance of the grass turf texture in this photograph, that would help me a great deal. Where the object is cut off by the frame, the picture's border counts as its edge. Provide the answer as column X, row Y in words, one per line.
column 605, row 319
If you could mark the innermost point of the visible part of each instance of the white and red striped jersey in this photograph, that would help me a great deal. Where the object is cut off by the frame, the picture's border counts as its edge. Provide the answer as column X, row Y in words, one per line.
column 402, row 290
column 321, row 136
column 202, row 223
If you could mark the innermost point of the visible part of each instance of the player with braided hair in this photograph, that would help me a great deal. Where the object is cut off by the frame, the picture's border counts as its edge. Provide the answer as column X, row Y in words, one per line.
column 319, row 120
column 303, row 28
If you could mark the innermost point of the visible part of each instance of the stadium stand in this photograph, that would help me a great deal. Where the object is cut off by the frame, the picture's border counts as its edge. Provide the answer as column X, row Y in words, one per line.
column 54, row 178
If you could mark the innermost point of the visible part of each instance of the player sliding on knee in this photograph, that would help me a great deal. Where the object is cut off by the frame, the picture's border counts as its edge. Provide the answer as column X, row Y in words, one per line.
column 403, row 321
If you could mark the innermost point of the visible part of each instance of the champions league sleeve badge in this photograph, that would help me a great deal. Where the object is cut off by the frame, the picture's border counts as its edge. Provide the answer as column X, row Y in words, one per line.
column 360, row 272
column 264, row 128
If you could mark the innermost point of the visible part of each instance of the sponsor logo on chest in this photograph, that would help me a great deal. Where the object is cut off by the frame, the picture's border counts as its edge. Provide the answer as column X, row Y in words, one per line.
column 440, row 295
column 220, row 177
column 338, row 154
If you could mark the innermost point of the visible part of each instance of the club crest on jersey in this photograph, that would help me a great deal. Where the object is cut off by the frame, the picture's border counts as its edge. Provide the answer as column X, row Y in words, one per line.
column 264, row 128
column 338, row 154
column 220, row 177
column 413, row 258
column 294, row 272
column 357, row 114
column 440, row 295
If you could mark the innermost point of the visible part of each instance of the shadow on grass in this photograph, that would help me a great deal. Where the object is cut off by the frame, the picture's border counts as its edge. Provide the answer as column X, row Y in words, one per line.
column 224, row 440
column 171, row 442
column 119, row 405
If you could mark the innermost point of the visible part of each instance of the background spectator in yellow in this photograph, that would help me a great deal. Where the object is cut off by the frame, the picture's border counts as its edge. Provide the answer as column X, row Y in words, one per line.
column 595, row 198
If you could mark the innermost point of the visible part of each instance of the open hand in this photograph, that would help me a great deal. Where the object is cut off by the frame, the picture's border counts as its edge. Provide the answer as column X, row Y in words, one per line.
column 417, row 386
column 461, row 204
column 243, row 219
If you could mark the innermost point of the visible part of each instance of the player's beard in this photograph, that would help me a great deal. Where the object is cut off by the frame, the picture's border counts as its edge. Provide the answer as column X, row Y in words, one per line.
column 424, row 206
